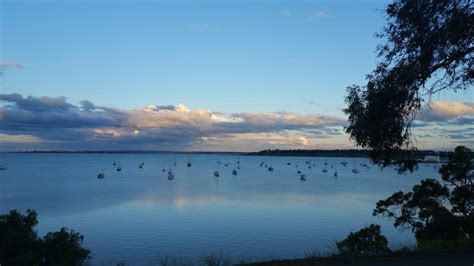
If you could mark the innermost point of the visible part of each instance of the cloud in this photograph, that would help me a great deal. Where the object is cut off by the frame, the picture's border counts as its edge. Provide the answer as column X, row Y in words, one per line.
column 158, row 126
column 446, row 110
column 10, row 64
column 6, row 138
column 318, row 14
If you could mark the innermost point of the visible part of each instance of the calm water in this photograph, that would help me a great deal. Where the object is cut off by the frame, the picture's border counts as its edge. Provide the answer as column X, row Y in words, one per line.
column 138, row 215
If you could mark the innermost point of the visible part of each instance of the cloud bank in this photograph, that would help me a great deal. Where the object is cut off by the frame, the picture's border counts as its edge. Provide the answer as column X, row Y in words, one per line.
column 438, row 111
column 86, row 125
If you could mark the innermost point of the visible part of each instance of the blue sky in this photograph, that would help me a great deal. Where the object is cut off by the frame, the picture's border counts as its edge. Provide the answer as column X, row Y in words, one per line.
column 229, row 56
column 226, row 56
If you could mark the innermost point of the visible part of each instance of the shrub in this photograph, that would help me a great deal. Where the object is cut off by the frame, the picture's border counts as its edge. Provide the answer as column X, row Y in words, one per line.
column 365, row 242
column 20, row 244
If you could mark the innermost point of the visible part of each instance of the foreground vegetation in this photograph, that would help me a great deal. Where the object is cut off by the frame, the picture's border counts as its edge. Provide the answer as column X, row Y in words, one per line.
column 20, row 244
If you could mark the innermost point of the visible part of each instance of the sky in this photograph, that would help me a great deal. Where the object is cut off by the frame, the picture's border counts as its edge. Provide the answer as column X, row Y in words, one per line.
column 194, row 75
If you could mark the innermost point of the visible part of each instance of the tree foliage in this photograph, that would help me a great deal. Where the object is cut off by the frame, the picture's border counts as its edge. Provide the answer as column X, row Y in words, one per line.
column 365, row 242
column 20, row 245
column 435, row 211
column 18, row 240
column 428, row 46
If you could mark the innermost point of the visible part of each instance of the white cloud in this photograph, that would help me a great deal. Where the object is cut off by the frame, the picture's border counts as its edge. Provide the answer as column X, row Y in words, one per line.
column 445, row 110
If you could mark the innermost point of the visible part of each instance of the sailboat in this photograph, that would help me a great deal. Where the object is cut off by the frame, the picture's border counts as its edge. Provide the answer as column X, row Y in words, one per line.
column 170, row 174
column 163, row 169
column 234, row 172
column 216, row 173
column 354, row 169
column 174, row 163
column 189, row 163
column 3, row 167
column 325, row 170
column 303, row 177
column 335, row 171
column 101, row 175
column 344, row 163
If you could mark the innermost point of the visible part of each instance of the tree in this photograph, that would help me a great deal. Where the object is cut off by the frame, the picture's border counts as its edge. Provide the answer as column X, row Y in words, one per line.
column 428, row 47
column 365, row 242
column 458, row 174
column 63, row 248
column 437, row 212
column 18, row 240
column 20, row 245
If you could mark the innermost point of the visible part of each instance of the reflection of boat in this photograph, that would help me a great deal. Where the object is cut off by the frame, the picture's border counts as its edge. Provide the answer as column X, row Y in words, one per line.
column 216, row 173
column 303, row 177
column 101, row 175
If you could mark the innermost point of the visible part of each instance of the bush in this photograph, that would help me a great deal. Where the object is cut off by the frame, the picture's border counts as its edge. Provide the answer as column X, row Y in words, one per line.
column 20, row 244
column 365, row 242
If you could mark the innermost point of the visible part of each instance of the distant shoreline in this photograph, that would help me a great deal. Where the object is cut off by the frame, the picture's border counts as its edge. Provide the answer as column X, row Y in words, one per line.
column 284, row 153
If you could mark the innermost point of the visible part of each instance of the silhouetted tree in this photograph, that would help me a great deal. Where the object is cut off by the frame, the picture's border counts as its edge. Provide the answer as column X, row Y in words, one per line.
column 20, row 245
column 437, row 212
column 365, row 242
column 63, row 248
column 428, row 47
column 18, row 241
